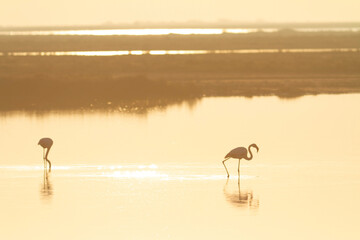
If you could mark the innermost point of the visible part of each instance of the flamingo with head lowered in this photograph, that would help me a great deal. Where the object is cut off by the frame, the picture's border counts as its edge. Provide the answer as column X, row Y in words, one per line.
column 239, row 153
column 46, row 143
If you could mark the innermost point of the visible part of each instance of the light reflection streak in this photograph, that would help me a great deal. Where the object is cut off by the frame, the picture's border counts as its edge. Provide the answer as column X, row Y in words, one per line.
column 250, row 30
column 168, row 31
column 135, row 174
column 168, row 173
column 181, row 52
column 129, row 32
column 333, row 29
column 139, row 174
column 33, row 168
column 137, row 32
column 77, row 167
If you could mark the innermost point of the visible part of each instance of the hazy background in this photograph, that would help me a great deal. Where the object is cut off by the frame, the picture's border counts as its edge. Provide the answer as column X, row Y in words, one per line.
column 69, row 12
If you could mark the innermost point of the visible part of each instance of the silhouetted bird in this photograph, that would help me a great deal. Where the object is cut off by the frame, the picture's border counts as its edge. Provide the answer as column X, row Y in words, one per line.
column 46, row 143
column 239, row 153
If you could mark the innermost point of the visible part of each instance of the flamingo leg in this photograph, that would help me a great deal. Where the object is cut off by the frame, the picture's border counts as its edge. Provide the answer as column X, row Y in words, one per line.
column 49, row 164
column 225, row 166
column 46, row 158
column 239, row 188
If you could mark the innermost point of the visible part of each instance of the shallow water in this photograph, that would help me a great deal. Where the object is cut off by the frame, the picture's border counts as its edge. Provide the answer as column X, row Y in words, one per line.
column 159, row 175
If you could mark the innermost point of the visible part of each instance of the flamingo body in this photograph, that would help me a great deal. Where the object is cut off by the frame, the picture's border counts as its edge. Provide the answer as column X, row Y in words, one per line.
column 46, row 142
column 239, row 152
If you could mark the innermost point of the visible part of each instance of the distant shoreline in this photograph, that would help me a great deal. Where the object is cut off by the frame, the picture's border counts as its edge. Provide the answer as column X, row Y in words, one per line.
column 82, row 82
column 189, row 24
column 286, row 39
column 141, row 82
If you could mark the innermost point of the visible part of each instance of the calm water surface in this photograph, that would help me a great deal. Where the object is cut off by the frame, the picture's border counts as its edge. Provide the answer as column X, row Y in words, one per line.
column 159, row 175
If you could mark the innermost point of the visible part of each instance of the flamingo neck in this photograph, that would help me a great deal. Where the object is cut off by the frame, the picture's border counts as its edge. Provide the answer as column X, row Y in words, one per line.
column 47, row 152
column 251, row 156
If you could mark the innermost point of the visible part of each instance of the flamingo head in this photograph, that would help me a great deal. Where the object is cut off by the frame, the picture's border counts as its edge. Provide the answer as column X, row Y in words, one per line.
column 255, row 146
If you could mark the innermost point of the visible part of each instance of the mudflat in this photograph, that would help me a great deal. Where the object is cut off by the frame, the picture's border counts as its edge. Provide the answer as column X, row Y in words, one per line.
column 56, row 82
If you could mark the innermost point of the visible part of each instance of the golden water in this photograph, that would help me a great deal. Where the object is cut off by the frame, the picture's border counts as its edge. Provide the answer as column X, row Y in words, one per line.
column 159, row 175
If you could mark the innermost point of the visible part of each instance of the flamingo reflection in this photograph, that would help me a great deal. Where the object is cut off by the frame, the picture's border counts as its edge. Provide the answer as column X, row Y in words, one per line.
column 46, row 188
column 242, row 198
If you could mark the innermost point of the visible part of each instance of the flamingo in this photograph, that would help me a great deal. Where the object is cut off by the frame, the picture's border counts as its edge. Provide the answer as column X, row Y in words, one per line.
column 46, row 143
column 239, row 153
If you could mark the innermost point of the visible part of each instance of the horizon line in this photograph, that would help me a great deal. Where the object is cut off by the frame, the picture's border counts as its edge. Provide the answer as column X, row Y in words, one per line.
column 192, row 23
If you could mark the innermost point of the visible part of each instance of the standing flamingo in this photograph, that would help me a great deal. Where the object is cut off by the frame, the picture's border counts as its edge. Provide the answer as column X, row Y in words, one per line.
column 239, row 153
column 46, row 143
